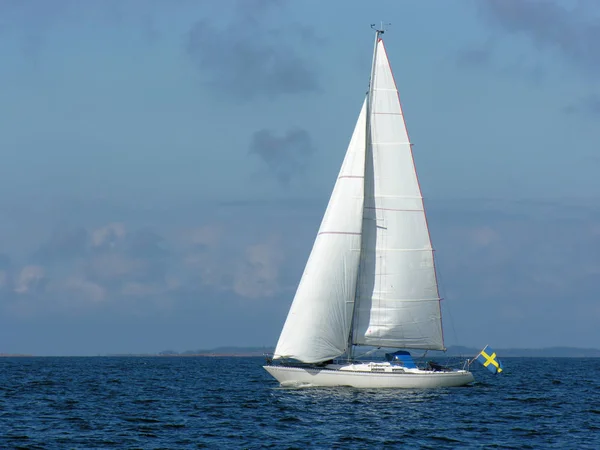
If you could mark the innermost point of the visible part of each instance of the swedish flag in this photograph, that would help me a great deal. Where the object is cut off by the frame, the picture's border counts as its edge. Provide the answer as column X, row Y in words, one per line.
column 487, row 357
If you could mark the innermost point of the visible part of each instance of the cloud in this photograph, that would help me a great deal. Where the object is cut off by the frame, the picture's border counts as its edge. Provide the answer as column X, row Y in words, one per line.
column 503, row 265
column 589, row 106
column 111, row 267
column 30, row 279
column 34, row 20
column 147, row 244
column 105, row 252
column 108, row 235
column 536, row 270
column 482, row 56
column 252, row 55
column 285, row 156
column 140, row 258
column 138, row 289
column 77, row 269
column 251, row 272
column 572, row 33
column 64, row 243
column 205, row 236
column 520, row 252
column 257, row 275
column 82, row 290
column 76, row 264
column 477, row 56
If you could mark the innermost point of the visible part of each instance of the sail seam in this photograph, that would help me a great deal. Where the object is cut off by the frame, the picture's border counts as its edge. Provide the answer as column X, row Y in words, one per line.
column 412, row 300
column 387, row 113
column 350, row 176
column 411, row 197
column 339, row 232
column 393, row 209
column 401, row 249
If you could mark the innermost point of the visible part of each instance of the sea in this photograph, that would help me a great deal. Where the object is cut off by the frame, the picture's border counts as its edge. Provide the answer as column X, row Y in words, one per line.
column 232, row 403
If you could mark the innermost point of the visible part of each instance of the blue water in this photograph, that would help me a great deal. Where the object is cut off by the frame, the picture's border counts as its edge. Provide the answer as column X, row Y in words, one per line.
column 175, row 403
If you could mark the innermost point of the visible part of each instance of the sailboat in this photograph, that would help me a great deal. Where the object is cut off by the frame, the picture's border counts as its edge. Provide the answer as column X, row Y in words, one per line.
column 370, row 279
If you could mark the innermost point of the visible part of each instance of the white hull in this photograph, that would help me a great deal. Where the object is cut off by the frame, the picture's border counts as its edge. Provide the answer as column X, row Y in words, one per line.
column 363, row 376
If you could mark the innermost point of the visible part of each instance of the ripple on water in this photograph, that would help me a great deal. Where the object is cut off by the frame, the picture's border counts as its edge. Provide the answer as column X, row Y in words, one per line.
column 233, row 403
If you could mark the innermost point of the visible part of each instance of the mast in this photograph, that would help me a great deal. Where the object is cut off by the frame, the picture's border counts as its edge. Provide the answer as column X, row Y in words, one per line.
column 378, row 32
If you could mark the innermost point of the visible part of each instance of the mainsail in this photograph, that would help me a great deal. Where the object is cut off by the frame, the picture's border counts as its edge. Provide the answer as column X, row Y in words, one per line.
column 398, row 303
column 370, row 278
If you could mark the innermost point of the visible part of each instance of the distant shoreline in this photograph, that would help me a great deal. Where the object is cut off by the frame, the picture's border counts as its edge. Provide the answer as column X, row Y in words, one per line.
column 456, row 351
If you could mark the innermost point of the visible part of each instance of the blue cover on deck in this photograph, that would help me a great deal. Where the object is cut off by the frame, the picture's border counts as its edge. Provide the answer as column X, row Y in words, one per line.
column 402, row 358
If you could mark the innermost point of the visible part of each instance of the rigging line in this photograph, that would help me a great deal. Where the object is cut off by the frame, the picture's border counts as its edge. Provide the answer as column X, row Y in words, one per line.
column 441, row 286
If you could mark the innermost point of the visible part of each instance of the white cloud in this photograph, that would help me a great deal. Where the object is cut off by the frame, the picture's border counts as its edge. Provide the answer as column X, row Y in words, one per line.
column 85, row 290
column 111, row 266
column 507, row 263
column 208, row 235
column 29, row 279
column 135, row 289
column 108, row 235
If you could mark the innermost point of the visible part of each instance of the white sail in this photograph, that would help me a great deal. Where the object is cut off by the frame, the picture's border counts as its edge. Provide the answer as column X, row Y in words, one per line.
column 370, row 278
column 397, row 302
column 318, row 323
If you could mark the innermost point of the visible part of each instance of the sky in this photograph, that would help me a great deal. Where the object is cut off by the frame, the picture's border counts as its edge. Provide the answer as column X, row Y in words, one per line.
column 165, row 164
